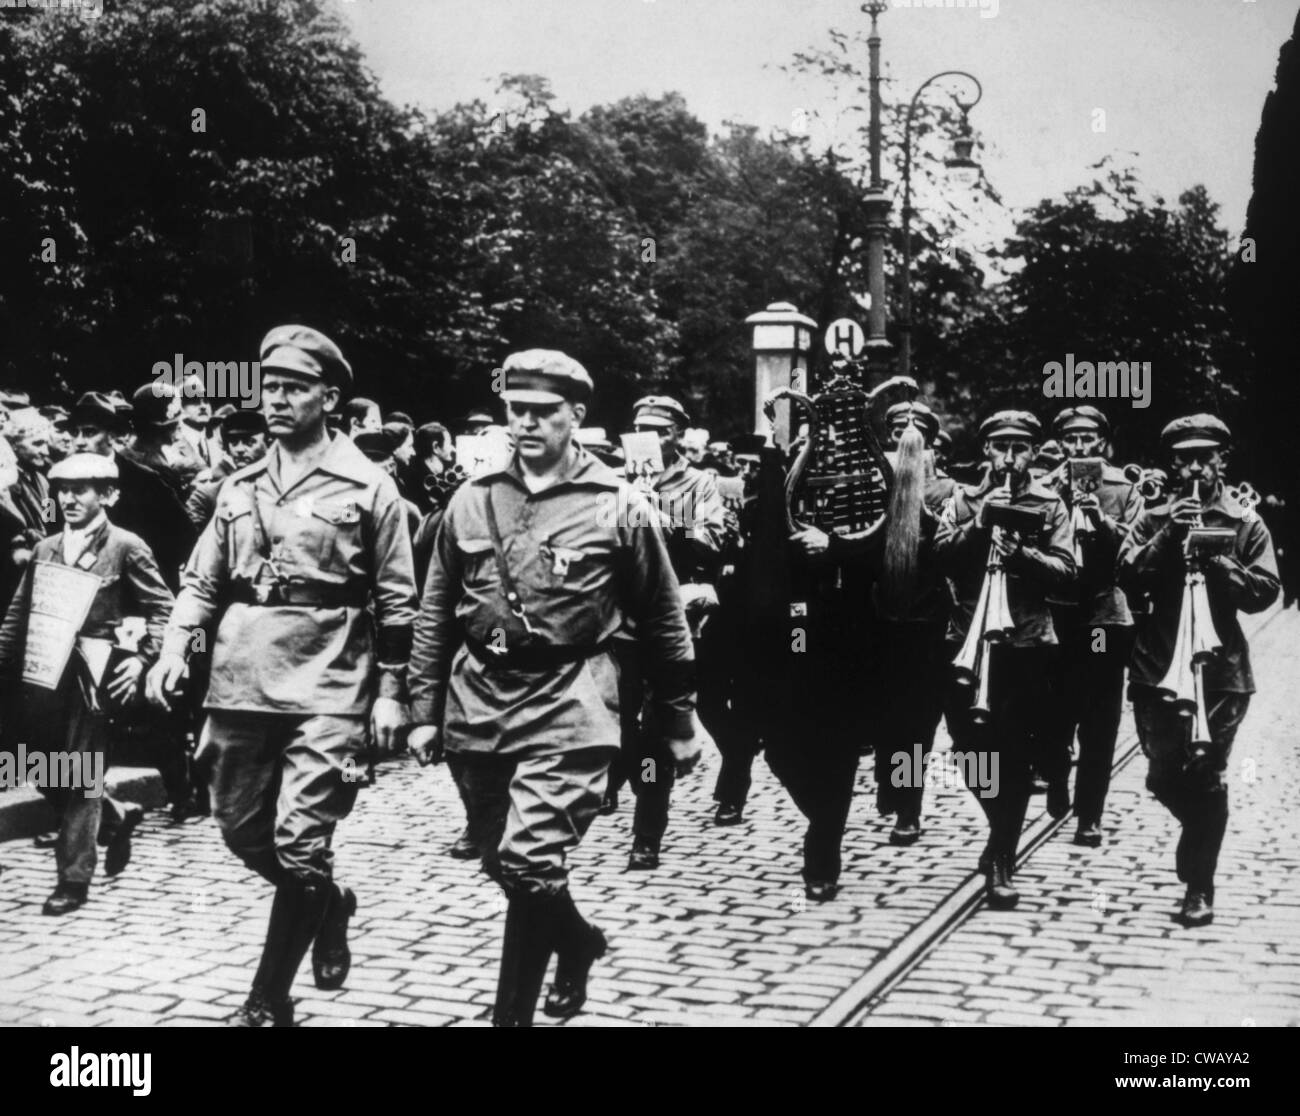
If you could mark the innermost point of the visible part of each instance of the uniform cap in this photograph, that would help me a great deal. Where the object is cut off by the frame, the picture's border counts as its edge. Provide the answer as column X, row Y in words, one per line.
column 545, row 376
column 1019, row 424
column 306, row 352
column 1081, row 418
column 84, row 467
column 58, row 416
column 1195, row 431
column 11, row 398
column 919, row 413
column 660, row 410
column 478, row 417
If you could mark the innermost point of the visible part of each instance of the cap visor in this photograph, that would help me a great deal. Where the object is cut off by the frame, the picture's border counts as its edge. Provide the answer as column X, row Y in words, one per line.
column 653, row 420
column 541, row 398
column 1010, row 432
column 1196, row 443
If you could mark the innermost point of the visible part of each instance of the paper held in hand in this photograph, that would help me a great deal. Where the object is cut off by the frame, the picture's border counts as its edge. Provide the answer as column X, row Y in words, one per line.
column 643, row 459
column 61, row 600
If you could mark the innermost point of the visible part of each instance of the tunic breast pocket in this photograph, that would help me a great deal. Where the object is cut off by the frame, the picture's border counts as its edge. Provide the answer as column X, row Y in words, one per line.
column 477, row 561
column 237, row 523
column 332, row 536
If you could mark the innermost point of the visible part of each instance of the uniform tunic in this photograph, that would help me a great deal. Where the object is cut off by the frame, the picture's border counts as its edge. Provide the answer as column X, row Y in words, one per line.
column 584, row 553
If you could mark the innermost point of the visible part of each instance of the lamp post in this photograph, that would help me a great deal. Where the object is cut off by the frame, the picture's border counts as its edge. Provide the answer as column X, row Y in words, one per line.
column 781, row 341
column 876, row 202
column 960, row 164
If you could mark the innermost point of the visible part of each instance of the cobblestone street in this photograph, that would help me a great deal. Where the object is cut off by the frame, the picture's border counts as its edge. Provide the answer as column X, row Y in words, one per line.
column 721, row 934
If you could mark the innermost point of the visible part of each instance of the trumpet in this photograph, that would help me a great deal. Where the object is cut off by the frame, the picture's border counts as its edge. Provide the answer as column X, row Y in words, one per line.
column 990, row 623
column 1195, row 642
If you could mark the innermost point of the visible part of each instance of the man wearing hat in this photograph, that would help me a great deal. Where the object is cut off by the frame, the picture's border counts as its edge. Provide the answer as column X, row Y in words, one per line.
column 694, row 524
column 28, row 433
column 194, row 427
column 1037, row 559
column 147, row 505
column 60, row 439
column 1092, row 619
column 1190, row 781
column 120, row 635
column 536, row 567
column 306, row 570
column 157, row 444
column 244, row 441
column 476, row 421
column 911, row 619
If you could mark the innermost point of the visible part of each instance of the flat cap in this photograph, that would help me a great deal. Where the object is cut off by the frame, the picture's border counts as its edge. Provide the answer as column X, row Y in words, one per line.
column 307, row 352
column 1195, row 431
column 56, row 414
column 545, row 376
column 1081, row 418
column 84, row 467
column 1019, row 424
column 916, row 411
column 97, row 409
column 660, row 410
column 478, row 417
column 12, row 398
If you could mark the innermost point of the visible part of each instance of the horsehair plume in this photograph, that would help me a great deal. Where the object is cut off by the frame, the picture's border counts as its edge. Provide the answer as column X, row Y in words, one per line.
column 903, row 533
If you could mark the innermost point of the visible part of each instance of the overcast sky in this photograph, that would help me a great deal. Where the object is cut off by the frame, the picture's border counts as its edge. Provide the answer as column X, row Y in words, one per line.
column 1182, row 82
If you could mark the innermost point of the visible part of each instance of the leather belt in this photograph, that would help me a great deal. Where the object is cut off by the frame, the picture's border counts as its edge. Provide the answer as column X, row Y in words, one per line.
column 538, row 659
column 300, row 596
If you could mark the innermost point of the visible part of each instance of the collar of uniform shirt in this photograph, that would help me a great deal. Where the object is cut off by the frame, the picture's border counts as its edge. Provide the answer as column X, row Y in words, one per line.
column 676, row 469
column 583, row 468
column 342, row 459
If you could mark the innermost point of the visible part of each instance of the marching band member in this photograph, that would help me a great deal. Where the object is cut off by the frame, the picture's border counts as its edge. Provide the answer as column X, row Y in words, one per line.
column 1092, row 620
column 1188, row 776
column 912, row 622
column 1017, row 681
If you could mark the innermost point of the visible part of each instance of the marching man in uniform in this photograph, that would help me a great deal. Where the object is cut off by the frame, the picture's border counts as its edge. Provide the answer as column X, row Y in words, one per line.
column 694, row 525
column 1187, row 778
column 1035, row 563
column 1092, row 619
column 535, row 568
column 304, row 544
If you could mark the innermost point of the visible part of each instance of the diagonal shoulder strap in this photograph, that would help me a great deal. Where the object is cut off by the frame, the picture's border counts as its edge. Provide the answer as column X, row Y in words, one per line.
column 511, row 594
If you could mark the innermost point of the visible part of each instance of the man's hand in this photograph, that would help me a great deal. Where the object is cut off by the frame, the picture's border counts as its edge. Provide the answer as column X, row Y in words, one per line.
column 425, row 744
column 686, row 754
column 1006, row 543
column 121, row 686
column 1184, row 511
column 164, row 680
column 814, row 541
column 998, row 495
column 386, row 719
column 1090, row 505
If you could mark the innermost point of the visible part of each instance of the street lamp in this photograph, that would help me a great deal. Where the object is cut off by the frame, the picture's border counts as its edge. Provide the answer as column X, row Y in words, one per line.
column 963, row 169
column 876, row 202
column 781, row 342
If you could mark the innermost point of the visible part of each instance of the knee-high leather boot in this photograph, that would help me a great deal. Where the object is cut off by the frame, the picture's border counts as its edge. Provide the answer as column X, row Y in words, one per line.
column 526, row 947
column 578, row 946
column 296, row 915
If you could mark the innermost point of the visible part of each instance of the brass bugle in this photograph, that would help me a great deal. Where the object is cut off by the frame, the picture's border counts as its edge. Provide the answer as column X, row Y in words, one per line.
column 1178, row 684
column 967, row 661
column 979, row 711
column 1200, row 718
column 1205, row 638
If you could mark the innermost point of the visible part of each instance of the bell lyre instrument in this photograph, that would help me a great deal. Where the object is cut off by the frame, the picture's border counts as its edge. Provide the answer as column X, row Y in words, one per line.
column 840, row 480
